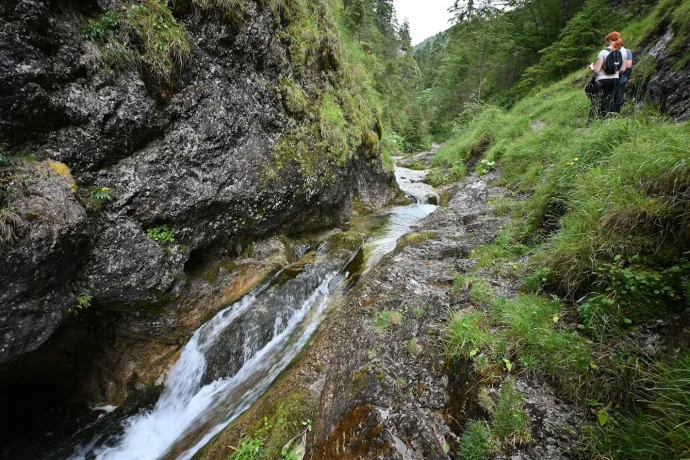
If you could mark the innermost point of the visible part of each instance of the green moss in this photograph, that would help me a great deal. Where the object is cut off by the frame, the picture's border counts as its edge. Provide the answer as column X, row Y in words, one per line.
column 414, row 239
column 295, row 99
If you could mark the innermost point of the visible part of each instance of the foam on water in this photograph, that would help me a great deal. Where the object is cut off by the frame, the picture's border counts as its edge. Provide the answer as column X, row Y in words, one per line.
column 189, row 413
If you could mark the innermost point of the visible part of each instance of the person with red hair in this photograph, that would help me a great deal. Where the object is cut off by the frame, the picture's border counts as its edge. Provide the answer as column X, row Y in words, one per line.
column 607, row 70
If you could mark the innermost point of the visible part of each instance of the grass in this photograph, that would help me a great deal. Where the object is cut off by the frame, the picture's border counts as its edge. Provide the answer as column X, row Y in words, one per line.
column 386, row 320
column 507, row 426
column 662, row 431
column 474, row 443
column 145, row 36
column 10, row 225
column 466, row 334
column 603, row 224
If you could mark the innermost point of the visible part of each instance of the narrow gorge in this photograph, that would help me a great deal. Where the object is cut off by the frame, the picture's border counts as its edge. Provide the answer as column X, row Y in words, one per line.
column 297, row 229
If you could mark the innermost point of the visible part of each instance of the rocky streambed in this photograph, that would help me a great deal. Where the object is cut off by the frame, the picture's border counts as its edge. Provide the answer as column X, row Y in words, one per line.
column 375, row 380
column 354, row 325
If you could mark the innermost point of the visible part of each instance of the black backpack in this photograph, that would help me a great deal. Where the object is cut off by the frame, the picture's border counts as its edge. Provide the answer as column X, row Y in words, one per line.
column 613, row 62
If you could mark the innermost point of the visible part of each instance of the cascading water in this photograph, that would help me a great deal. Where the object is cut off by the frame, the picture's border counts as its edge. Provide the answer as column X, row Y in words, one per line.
column 232, row 359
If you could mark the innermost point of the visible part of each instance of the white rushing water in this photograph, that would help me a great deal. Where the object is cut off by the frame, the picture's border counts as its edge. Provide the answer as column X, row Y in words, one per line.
column 186, row 405
column 189, row 413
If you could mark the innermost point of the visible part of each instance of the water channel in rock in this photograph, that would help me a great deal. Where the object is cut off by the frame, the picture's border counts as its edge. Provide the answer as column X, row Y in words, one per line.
column 231, row 360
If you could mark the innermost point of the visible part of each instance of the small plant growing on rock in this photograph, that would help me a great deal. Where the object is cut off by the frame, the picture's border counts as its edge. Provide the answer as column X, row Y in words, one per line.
column 83, row 301
column 249, row 449
column 413, row 347
column 99, row 29
column 10, row 223
column 385, row 320
column 485, row 166
column 162, row 235
column 99, row 197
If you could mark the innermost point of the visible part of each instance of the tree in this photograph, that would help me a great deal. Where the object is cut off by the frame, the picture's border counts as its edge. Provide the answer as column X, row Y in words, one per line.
column 404, row 34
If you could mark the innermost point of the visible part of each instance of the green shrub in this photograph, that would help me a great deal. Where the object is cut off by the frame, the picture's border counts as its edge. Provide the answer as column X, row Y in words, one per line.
column 162, row 235
column 4, row 161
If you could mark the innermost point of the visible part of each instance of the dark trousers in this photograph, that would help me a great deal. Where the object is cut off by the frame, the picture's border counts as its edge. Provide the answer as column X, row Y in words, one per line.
column 605, row 98
column 621, row 94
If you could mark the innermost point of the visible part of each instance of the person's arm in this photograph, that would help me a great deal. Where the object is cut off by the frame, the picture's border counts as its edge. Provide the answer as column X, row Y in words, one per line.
column 628, row 60
column 598, row 65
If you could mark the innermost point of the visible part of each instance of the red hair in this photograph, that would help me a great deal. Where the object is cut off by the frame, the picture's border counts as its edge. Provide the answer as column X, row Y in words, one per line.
column 615, row 39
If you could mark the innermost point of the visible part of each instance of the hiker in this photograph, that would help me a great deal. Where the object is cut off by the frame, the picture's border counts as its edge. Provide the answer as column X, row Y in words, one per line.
column 603, row 90
column 625, row 76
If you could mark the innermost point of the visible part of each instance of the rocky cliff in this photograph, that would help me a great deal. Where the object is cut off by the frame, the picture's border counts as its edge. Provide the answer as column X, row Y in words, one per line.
column 661, row 62
column 147, row 143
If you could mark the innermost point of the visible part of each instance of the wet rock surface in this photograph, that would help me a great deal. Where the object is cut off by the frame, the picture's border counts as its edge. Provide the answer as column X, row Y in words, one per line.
column 375, row 374
column 192, row 156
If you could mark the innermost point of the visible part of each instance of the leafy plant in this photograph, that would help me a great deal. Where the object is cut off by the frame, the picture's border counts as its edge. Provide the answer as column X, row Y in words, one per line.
column 83, row 301
column 485, row 166
column 249, row 449
column 99, row 196
column 4, row 161
column 99, row 29
column 162, row 235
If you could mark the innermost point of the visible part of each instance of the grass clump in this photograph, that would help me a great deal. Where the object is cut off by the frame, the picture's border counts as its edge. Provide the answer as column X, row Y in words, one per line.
column 474, row 443
column 659, row 428
column 506, row 428
column 11, row 224
column 144, row 36
column 466, row 334
column 509, row 426
column 386, row 320
column 413, row 347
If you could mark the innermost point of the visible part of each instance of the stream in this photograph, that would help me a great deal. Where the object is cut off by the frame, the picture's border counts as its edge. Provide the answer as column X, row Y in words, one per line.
column 215, row 380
